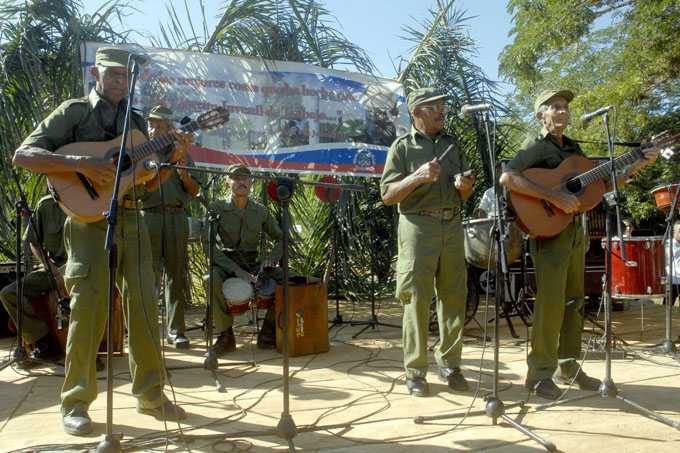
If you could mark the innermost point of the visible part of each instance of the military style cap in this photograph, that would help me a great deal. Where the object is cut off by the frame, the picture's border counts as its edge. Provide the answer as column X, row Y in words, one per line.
column 547, row 95
column 161, row 112
column 423, row 95
column 238, row 169
column 111, row 57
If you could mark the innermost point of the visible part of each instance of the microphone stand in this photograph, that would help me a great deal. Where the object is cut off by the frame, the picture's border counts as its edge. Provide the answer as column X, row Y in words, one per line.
column 111, row 442
column 608, row 388
column 337, row 320
column 286, row 427
column 495, row 408
column 372, row 322
column 19, row 356
column 668, row 345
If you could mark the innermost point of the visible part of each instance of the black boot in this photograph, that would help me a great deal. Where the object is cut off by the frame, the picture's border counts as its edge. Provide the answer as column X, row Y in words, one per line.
column 266, row 339
column 46, row 348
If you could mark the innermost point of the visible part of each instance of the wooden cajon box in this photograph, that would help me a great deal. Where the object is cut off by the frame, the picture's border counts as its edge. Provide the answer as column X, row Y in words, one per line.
column 307, row 319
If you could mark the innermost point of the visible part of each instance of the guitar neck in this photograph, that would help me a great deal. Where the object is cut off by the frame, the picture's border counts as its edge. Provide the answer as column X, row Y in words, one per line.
column 157, row 144
column 152, row 146
column 603, row 170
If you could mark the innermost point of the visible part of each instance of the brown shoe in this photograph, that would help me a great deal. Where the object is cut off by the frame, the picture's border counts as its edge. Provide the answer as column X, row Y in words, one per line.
column 226, row 342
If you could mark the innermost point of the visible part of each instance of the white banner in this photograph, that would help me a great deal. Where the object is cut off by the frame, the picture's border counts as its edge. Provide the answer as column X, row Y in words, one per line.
column 285, row 117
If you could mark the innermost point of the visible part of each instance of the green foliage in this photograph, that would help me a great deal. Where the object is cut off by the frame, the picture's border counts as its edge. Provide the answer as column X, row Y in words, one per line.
column 610, row 52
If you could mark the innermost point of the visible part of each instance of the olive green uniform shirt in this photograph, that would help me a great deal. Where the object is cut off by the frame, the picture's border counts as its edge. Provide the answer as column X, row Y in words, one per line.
column 543, row 151
column 239, row 234
column 407, row 154
column 86, row 119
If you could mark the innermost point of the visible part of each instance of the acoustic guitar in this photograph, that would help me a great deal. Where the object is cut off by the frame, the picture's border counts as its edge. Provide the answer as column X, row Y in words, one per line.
column 578, row 176
column 87, row 201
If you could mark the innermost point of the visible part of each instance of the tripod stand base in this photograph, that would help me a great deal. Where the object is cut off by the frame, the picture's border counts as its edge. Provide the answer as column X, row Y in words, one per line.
column 338, row 321
column 495, row 409
column 608, row 389
column 110, row 444
column 372, row 323
column 286, row 427
column 668, row 347
column 19, row 357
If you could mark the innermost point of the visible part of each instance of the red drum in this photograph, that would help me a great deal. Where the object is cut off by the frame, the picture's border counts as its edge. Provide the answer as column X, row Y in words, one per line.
column 640, row 276
column 264, row 295
column 663, row 196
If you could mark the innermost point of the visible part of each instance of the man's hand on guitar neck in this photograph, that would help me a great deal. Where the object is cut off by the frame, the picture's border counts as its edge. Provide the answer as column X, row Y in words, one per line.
column 182, row 146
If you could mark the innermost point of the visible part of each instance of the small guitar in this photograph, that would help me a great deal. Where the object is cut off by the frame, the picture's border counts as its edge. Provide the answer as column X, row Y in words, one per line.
column 578, row 176
column 86, row 201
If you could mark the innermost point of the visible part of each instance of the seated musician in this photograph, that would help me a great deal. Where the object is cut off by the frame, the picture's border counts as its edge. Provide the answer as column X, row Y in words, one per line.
column 241, row 220
column 99, row 117
column 49, row 223
column 559, row 261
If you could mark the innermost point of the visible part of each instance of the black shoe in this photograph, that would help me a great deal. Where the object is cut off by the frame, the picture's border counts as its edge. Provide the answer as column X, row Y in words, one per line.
column 583, row 381
column 454, row 378
column 266, row 339
column 179, row 340
column 46, row 349
column 545, row 388
column 77, row 423
column 168, row 411
column 418, row 387
column 226, row 342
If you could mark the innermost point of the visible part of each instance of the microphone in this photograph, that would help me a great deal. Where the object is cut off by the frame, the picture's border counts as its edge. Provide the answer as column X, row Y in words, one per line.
column 469, row 109
column 585, row 119
column 150, row 165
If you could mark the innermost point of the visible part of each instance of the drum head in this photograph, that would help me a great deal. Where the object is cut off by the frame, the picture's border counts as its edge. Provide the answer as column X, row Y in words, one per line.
column 237, row 291
column 267, row 289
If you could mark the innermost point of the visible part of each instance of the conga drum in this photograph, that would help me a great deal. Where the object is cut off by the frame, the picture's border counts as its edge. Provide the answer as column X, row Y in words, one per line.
column 238, row 293
column 264, row 295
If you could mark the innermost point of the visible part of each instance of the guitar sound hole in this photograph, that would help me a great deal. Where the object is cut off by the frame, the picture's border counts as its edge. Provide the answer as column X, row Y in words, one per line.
column 574, row 186
column 127, row 163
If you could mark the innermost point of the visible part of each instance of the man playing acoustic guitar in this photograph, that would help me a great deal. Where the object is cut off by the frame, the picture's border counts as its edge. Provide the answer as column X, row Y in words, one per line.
column 560, row 260
column 99, row 117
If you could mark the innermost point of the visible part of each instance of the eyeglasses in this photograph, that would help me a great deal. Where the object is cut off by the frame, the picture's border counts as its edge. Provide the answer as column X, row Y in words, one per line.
column 435, row 108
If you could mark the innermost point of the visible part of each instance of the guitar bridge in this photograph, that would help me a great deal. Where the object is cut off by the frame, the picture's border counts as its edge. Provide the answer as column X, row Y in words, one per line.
column 548, row 209
column 91, row 191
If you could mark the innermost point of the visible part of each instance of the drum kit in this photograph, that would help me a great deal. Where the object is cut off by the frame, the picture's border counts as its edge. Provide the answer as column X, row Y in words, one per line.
column 642, row 274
